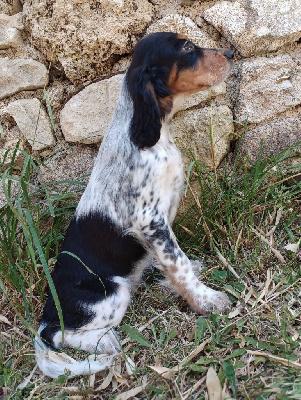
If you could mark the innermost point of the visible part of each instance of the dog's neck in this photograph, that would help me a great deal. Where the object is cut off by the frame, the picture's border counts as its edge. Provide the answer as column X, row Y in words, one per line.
column 166, row 133
column 124, row 112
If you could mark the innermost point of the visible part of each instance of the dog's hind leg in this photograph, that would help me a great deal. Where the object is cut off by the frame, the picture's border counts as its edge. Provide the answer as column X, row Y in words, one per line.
column 95, row 337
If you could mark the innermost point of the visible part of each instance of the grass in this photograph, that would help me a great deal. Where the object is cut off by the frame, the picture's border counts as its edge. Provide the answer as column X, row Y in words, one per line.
column 239, row 223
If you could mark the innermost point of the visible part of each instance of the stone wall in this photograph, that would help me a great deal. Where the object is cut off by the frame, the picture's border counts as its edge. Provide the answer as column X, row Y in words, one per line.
column 71, row 56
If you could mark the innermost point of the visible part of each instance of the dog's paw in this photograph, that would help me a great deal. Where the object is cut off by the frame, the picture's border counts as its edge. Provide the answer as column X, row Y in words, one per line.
column 220, row 302
column 212, row 301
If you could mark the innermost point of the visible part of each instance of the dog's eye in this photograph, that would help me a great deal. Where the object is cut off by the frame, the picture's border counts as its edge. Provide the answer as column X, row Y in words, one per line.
column 188, row 47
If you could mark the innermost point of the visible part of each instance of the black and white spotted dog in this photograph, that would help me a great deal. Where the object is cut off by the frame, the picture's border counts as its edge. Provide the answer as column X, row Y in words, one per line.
column 123, row 221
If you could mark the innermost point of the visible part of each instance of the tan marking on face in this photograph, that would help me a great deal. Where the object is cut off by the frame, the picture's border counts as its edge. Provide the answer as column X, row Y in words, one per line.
column 165, row 104
column 179, row 36
column 211, row 70
column 150, row 87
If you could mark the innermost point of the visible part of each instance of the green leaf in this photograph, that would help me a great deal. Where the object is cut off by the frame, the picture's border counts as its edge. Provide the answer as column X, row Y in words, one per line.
column 239, row 364
column 158, row 390
column 230, row 375
column 202, row 326
column 162, row 337
column 62, row 379
column 198, row 368
column 172, row 334
column 236, row 353
column 204, row 360
column 135, row 335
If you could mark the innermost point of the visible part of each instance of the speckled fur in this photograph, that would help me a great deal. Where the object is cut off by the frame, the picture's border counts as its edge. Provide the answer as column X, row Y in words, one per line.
column 135, row 192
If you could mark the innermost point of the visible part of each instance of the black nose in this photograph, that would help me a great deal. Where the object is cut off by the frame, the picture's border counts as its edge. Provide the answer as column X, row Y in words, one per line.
column 229, row 54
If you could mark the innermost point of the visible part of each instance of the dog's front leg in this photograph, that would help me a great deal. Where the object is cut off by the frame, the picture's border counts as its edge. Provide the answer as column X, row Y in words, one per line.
column 179, row 271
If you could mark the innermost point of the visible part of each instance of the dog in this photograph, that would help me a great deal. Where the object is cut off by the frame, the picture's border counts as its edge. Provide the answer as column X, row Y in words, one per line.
column 123, row 221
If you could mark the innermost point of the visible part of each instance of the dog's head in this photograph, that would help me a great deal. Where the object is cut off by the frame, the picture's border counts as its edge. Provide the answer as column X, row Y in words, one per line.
column 166, row 65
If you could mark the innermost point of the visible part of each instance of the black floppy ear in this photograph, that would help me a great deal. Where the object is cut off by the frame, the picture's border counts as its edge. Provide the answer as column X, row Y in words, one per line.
column 144, row 85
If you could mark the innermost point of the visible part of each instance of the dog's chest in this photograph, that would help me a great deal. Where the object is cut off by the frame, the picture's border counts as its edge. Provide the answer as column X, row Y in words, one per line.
column 163, row 175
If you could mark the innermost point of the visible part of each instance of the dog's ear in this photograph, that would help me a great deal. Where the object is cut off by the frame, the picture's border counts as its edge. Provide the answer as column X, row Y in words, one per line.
column 146, row 85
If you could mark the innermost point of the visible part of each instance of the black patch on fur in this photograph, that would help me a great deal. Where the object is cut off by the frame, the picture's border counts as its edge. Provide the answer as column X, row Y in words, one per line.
column 100, row 247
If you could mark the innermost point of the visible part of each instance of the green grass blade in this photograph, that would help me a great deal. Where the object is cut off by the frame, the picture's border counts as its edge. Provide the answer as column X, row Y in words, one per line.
column 42, row 258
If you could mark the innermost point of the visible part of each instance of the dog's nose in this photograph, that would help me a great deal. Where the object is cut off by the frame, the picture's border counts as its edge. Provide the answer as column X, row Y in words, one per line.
column 229, row 54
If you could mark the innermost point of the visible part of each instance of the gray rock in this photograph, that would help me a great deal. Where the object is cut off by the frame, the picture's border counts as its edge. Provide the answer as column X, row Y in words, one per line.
column 203, row 96
column 33, row 122
column 10, row 27
column 183, row 26
column 73, row 163
column 275, row 136
column 192, row 133
column 268, row 87
column 21, row 74
column 257, row 26
column 87, row 115
column 86, row 37
column 5, row 7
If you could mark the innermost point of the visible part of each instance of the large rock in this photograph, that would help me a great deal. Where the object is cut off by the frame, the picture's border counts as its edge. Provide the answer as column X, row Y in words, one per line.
column 72, row 164
column 21, row 74
column 273, row 136
column 257, row 26
column 184, row 26
column 87, row 115
column 268, row 87
column 86, row 36
column 10, row 28
column 33, row 122
column 192, row 133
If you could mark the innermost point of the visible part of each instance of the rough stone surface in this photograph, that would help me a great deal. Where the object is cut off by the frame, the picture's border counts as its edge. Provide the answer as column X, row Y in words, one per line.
column 87, row 115
column 10, row 27
column 5, row 7
column 33, row 122
column 275, row 136
column 192, row 132
column 203, row 96
column 268, row 87
column 73, row 163
column 184, row 26
column 6, row 153
column 14, row 191
column 257, row 26
column 86, row 36
column 21, row 74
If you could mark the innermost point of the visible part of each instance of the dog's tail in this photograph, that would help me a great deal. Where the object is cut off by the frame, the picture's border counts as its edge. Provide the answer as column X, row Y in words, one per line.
column 54, row 364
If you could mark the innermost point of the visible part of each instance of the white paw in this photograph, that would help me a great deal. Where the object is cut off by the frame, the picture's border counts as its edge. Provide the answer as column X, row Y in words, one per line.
column 211, row 300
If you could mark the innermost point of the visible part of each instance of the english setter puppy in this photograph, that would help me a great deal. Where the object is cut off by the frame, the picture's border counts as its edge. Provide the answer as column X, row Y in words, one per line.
column 122, row 223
